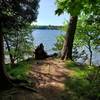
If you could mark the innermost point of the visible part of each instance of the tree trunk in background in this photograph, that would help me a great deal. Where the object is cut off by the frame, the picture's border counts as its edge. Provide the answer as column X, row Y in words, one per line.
column 4, row 80
column 8, row 47
column 69, row 38
column 90, row 50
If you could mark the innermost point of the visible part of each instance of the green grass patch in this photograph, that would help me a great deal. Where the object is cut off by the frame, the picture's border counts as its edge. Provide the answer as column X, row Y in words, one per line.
column 80, row 71
column 70, row 64
column 20, row 70
column 84, row 84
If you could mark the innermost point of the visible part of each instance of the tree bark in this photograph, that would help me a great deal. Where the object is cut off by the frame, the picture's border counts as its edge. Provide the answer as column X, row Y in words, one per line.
column 69, row 38
column 8, row 47
column 4, row 80
column 90, row 50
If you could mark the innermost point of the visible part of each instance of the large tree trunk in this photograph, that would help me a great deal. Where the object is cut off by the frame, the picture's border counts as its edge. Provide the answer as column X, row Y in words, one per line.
column 4, row 80
column 8, row 47
column 69, row 38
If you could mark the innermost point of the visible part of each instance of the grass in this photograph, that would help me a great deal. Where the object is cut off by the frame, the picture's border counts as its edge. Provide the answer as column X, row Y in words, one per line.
column 20, row 70
column 80, row 71
column 81, row 86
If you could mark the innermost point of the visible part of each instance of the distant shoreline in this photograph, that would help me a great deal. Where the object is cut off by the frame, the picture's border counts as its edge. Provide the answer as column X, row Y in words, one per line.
column 51, row 27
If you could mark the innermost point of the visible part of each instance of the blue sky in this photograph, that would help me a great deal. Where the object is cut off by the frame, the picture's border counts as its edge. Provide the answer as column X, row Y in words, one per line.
column 47, row 15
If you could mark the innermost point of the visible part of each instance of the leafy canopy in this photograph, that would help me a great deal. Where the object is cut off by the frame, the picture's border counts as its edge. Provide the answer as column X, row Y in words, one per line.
column 75, row 7
column 15, row 13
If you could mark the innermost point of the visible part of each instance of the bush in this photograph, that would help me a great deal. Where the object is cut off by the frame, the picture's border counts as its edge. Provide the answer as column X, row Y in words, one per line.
column 84, row 84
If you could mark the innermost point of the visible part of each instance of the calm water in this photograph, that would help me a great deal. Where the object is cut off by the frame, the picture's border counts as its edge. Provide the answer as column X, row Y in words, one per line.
column 48, row 38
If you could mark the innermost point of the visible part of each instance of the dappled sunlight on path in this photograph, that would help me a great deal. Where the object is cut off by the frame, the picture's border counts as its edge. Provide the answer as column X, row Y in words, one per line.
column 50, row 75
column 47, row 77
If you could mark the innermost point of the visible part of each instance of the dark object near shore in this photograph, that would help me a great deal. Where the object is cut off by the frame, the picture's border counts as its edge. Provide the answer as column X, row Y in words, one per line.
column 40, row 53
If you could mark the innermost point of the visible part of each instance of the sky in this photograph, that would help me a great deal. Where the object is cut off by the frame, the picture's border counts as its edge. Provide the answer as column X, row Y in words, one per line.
column 47, row 15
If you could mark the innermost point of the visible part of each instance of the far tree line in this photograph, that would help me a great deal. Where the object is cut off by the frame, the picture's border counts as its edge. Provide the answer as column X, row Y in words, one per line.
column 51, row 27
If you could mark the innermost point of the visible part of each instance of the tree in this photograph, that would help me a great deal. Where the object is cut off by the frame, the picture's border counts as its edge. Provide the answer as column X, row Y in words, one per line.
column 87, row 33
column 69, row 38
column 59, row 43
column 74, row 8
column 19, row 44
column 13, row 15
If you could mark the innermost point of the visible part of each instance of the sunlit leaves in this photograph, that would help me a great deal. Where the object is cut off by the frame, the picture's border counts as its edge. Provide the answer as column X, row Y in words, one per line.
column 59, row 11
column 59, row 44
column 86, row 31
column 75, row 7
column 20, row 43
column 71, row 6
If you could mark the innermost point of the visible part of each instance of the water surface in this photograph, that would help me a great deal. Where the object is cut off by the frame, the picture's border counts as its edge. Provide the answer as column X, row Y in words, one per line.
column 48, row 38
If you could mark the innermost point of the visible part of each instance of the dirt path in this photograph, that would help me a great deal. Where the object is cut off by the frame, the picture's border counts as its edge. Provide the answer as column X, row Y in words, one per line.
column 50, row 75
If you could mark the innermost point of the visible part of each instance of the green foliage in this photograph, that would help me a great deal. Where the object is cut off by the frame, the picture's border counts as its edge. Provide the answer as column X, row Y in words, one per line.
column 80, row 71
column 86, row 32
column 20, row 71
column 59, row 44
column 70, row 64
column 14, row 14
column 20, row 43
column 78, row 89
column 83, row 87
column 60, row 38
column 68, row 5
column 75, row 7
column 15, row 17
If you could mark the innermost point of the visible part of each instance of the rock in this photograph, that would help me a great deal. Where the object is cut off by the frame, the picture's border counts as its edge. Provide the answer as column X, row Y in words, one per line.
column 40, row 53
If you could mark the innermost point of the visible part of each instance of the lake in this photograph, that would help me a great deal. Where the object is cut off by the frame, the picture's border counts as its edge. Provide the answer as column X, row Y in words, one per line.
column 48, row 38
